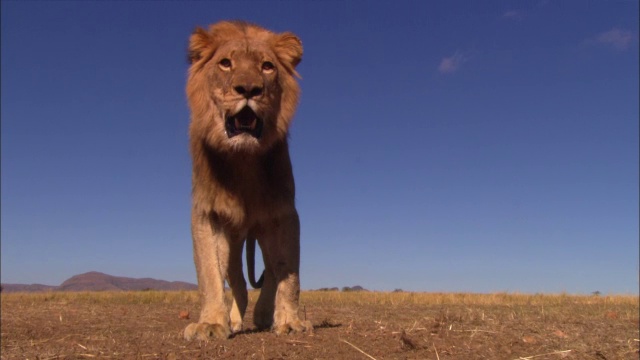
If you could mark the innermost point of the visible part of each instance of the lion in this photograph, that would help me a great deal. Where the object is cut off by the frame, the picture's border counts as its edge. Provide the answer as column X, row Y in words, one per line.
column 242, row 93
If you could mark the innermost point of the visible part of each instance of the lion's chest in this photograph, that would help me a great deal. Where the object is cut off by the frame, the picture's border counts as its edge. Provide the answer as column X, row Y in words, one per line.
column 251, row 196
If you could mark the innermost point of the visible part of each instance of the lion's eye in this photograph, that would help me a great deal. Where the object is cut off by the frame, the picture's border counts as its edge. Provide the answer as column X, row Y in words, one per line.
column 225, row 64
column 268, row 67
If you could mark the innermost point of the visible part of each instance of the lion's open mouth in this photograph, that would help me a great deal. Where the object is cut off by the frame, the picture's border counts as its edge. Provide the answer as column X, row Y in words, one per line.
column 244, row 121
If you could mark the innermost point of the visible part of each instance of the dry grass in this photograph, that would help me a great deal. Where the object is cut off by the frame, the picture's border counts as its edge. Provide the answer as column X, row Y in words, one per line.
column 411, row 298
column 107, row 297
column 336, row 297
column 148, row 325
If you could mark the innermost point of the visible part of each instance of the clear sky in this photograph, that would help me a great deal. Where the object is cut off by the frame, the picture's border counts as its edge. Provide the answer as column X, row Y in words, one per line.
column 467, row 146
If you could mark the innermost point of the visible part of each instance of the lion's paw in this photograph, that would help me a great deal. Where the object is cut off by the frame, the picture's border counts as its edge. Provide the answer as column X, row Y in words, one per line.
column 236, row 327
column 205, row 331
column 296, row 326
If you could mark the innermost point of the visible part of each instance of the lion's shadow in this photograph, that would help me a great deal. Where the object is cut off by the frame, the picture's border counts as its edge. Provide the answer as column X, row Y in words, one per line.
column 323, row 325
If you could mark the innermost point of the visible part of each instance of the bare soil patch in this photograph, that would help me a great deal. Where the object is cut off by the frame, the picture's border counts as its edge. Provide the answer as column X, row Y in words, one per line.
column 148, row 325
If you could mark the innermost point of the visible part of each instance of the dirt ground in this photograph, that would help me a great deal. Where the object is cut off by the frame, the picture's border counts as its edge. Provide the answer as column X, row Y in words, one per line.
column 347, row 326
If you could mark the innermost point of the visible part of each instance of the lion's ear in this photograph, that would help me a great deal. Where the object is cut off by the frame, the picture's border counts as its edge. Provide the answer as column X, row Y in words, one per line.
column 288, row 48
column 199, row 43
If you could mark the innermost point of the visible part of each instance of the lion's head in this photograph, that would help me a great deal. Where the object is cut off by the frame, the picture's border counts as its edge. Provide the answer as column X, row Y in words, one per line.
column 241, row 87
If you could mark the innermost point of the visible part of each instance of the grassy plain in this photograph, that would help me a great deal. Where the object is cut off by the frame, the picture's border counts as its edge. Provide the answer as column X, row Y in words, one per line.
column 348, row 325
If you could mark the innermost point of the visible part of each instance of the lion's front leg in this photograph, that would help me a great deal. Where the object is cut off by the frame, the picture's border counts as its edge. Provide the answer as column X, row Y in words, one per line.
column 211, row 255
column 285, row 316
column 281, row 242
column 263, row 313
column 238, row 286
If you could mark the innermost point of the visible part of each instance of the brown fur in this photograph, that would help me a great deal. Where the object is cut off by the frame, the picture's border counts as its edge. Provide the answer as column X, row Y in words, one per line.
column 243, row 185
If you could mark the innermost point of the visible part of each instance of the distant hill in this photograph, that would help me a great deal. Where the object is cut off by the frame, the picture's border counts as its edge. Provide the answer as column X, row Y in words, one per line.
column 354, row 288
column 97, row 281
column 344, row 289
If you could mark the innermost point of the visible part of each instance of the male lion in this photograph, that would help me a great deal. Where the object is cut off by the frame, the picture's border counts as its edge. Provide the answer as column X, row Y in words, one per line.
column 242, row 93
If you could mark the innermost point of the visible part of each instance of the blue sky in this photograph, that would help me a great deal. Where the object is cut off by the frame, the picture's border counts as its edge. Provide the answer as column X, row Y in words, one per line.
column 438, row 146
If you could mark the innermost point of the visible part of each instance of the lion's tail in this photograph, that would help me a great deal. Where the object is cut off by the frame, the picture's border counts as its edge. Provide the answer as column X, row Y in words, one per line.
column 251, row 256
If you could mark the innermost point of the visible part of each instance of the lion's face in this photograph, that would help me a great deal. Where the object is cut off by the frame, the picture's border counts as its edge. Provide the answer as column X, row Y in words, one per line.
column 241, row 86
column 246, row 91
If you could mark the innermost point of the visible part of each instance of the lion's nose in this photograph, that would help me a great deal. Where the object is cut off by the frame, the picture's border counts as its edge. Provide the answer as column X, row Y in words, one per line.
column 248, row 91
